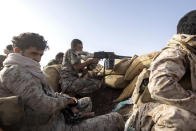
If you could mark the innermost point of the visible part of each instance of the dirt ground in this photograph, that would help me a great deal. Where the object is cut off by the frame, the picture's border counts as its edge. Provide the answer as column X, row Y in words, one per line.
column 103, row 101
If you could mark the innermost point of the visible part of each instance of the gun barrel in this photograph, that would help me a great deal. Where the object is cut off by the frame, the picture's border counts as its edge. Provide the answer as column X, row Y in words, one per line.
column 121, row 57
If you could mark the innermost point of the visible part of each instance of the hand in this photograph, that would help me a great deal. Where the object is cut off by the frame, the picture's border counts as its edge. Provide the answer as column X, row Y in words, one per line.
column 94, row 61
column 73, row 100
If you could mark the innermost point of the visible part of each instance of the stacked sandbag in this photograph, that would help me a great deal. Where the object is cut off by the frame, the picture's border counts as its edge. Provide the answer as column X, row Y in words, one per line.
column 128, row 91
column 133, row 71
column 114, row 78
column 139, row 64
column 53, row 76
column 120, row 67
column 115, row 81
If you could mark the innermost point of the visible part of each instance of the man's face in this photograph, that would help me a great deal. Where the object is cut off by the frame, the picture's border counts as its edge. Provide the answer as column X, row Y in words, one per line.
column 33, row 53
column 79, row 47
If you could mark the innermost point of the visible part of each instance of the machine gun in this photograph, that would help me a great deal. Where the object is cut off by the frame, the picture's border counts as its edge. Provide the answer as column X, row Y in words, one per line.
column 109, row 58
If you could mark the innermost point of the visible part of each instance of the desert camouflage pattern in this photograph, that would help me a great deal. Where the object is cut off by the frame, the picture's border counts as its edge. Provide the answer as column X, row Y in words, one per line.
column 43, row 106
column 69, row 79
column 2, row 58
column 170, row 84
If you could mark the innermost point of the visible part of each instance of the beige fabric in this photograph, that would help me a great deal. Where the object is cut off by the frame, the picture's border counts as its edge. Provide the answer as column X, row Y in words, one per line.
column 122, row 66
column 11, row 110
column 172, row 118
column 53, row 76
column 116, row 81
column 128, row 91
column 138, row 64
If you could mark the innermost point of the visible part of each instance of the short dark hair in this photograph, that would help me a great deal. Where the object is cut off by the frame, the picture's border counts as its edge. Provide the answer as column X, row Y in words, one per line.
column 28, row 39
column 75, row 42
column 59, row 55
column 187, row 24
column 9, row 47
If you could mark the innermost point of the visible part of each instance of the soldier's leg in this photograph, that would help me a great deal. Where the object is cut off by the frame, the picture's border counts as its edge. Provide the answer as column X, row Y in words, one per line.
column 161, row 117
column 139, row 120
column 84, row 86
column 108, row 122
column 66, row 82
column 171, row 118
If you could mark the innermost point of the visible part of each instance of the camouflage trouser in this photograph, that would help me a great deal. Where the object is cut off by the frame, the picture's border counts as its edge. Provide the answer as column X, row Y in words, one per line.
column 108, row 122
column 78, row 86
column 162, row 117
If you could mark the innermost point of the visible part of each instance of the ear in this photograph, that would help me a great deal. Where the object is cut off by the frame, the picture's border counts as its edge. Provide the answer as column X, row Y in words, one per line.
column 17, row 50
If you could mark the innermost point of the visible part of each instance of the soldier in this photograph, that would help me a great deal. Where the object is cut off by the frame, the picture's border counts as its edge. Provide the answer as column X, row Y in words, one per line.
column 58, row 59
column 70, row 81
column 22, row 76
column 7, row 50
column 172, row 84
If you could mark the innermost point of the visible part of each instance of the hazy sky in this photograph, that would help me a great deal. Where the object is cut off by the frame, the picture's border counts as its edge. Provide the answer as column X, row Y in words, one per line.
column 125, row 27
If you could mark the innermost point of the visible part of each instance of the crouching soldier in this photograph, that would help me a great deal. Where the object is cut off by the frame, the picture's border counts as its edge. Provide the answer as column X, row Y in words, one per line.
column 58, row 59
column 70, row 81
column 172, row 84
column 44, row 109
column 7, row 50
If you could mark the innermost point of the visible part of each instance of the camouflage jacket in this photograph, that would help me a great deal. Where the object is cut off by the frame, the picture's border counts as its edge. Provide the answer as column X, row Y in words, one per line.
column 42, row 105
column 71, row 58
column 2, row 58
column 170, row 70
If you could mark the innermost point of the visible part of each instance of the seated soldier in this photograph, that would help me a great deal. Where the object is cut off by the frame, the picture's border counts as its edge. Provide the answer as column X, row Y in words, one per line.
column 58, row 59
column 44, row 109
column 172, row 84
column 9, row 49
column 70, row 81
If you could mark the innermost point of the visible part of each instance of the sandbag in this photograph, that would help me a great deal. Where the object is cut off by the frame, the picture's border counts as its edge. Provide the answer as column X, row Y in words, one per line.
column 128, row 91
column 115, row 81
column 53, row 76
column 11, row 110
column 139, row 64
column 107, row 72
column 121, row 66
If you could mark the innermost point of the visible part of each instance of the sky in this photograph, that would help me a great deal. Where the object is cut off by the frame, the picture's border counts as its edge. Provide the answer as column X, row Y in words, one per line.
column 126, row 27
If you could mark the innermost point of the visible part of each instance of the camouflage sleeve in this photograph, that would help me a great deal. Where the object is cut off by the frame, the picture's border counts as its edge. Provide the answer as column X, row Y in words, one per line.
column 73, row 58
column 166, row 70
column 21, row 83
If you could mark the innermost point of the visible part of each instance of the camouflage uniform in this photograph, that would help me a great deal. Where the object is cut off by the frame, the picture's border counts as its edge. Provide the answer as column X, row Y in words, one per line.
column 53, row 62
column 172, row 85
column 2, row 58
column 70, row 81
column 43, row 106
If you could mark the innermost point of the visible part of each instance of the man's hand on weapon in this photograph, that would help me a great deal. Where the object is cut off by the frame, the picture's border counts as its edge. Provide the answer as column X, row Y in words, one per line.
column 93, row 61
